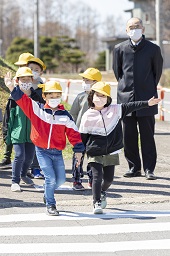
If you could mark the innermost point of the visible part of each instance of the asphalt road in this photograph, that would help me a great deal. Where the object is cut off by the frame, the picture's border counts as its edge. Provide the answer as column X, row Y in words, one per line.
column 136, row 220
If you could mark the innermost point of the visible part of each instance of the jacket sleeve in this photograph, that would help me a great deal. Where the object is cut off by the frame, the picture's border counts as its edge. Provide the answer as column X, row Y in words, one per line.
column 7, row 123
column 127, row 108
column 117, row 63
column 74, row 136
column 157, row 65
column 75, row 108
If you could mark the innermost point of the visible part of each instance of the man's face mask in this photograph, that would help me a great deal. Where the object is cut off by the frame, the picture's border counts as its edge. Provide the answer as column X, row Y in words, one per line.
column 53, row 103
column 99, row 101
column 135, row 34
column 25, row 86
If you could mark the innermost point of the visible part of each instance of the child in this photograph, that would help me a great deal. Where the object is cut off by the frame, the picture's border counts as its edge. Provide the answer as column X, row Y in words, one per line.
column 23, row 59
column 78, row 108
column 6, row 161
column 18, row 132
column 37, row 66
column 101, row 133
column 51, row 124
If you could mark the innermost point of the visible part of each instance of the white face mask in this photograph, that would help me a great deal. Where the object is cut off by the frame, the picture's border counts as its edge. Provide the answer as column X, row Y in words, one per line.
column 86, row 87
column 25, row 86
column 99, row 101
column 35, row 75
column 53, row 103
column 135, row 34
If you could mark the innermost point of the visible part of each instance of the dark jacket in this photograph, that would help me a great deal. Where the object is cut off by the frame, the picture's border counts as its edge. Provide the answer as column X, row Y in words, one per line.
column 101, row 131
column 137, row 70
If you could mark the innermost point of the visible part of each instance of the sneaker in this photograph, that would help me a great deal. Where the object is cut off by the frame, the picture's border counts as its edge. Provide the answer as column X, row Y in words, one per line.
column 97, row 208
column 5, row 163
column 30, row 175
column 78, row 186
column 103, row 199
column 37, row 174
column 15, row 187
column 90, row 185
column 51, row 210
column 27, row 180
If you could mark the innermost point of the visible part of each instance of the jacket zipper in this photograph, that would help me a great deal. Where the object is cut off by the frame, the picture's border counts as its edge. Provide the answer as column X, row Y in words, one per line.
column 105, row 131
column 50, row 132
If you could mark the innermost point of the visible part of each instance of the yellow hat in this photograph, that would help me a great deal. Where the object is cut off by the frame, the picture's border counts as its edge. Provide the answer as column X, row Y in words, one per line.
column 24, row 71
column 37, row 60
column 92, row 74
column 24, row 58
column 50, row 86
column 102, row 87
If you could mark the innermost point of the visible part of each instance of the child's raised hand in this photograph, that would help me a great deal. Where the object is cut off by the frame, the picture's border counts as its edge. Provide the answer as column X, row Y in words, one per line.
column 153, row 101
column 9, row 81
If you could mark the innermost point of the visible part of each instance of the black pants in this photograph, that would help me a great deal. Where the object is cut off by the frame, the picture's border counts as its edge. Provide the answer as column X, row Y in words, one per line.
column 146, row 127
column 77, row 172
column 102, row 179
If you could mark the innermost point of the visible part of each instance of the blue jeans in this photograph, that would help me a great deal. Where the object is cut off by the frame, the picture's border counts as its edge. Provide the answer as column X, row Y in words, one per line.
column 52, row 164
column 24, row 153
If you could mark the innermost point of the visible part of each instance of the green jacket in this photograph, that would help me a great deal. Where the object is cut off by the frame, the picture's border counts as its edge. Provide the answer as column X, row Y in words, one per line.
column 19, row 126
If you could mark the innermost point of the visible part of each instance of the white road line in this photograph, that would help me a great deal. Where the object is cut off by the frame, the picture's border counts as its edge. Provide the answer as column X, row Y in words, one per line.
column 85, row 247
column 83, row 215
column 85, row 230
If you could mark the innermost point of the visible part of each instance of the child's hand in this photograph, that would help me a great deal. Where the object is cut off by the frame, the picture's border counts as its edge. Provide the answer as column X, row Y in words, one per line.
column 78, row 156
column 8, row 81
column 153, row 101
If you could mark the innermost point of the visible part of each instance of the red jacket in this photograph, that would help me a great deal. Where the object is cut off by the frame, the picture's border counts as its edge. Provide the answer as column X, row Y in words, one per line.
column 49, row 128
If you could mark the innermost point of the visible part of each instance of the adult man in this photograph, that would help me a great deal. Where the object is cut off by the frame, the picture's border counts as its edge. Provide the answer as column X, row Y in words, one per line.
column 137, row 65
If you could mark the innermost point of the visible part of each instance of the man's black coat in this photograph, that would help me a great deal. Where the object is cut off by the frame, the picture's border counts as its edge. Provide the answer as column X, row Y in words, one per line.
column 137, row 70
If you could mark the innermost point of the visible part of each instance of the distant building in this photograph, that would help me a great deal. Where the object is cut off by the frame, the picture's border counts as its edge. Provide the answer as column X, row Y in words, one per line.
column 145, row 10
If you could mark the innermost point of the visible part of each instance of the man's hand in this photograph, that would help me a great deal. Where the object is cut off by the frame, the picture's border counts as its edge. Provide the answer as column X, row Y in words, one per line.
column 153, row 101
column 78, row 156
column 8, row 81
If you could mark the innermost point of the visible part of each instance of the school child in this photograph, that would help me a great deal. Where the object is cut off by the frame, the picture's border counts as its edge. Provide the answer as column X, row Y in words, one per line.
column 6, row 161
column 101, row 133
column 37, row 66
column 78, row 108
column 18, row 131
column 51, row 124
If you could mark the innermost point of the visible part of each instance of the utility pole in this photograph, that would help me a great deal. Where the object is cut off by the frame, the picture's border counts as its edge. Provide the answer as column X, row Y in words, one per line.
column 158, row 31
column 36, row 28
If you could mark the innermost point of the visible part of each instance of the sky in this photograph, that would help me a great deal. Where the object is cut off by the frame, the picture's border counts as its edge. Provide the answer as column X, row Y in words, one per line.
column 105, row 8
column 108, row 7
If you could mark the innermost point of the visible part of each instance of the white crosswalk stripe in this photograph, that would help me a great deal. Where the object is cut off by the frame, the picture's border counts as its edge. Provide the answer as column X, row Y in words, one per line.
column 78, row 228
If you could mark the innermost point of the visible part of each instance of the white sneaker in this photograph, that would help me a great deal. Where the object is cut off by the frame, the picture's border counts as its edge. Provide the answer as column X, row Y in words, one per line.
column 97, row 208
column 15, row 187
column 103, row 199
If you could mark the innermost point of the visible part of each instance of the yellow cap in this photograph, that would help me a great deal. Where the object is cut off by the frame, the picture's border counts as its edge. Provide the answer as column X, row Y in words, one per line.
column 37, row 60
column 24, row 58
column 50, row 86
column 102, row 87
column 24, row 71
column 92, row 74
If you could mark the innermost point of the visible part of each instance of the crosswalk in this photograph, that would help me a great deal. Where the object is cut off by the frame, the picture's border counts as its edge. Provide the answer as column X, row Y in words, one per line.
column 83, row 232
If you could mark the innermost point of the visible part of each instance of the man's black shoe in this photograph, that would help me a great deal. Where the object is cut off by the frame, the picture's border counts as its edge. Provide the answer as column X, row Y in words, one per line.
column 52, row 211
column 150, row 175
column 132, row 173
